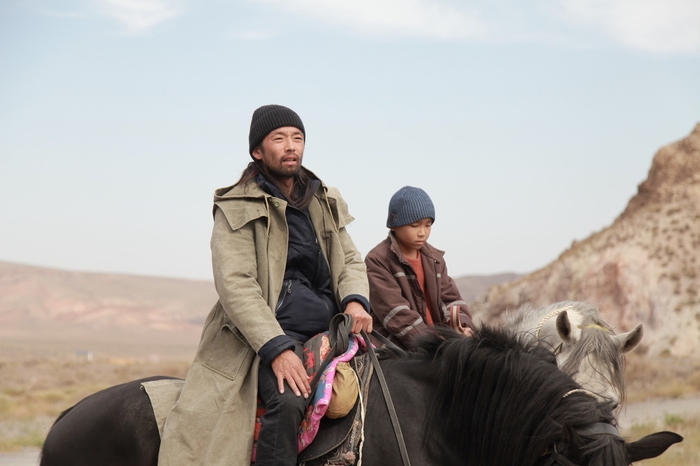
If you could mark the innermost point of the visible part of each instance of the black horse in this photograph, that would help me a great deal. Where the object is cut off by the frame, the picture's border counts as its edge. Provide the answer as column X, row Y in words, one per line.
column 488, row 400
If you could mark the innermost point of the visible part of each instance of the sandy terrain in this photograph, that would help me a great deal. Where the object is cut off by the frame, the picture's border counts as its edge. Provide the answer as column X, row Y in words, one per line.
column 655, row 411
column 23, row 458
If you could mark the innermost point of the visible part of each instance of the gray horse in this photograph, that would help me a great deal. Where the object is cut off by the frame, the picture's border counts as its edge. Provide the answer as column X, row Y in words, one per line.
column 586, row 347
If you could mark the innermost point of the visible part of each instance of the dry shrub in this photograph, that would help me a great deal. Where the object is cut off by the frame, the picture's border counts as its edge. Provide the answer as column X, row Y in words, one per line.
column 661, row 377
column 35, row 391
column 46, row 388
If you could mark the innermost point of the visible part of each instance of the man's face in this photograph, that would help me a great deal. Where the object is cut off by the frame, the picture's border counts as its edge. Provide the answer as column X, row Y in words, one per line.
column 281, row 151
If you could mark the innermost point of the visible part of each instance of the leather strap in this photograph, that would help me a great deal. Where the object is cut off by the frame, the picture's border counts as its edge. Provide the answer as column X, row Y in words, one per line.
column 339, row 337
column 455, row 323
column 387, row 398
column 556, row 458
column 385, row 341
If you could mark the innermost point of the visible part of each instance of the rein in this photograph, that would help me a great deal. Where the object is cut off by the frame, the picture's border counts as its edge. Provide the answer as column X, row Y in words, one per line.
column 387, row 396
column 339, row 334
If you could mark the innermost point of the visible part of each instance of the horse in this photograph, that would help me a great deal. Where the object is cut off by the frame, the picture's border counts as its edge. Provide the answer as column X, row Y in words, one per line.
column 493, row 399
column 585, row 346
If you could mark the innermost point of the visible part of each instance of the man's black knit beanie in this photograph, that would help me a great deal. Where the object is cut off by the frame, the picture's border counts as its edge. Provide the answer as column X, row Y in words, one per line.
column 268, row 118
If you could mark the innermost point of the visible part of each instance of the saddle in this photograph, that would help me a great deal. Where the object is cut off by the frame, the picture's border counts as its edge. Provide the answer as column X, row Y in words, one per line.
column 339, row 440
column 336, row 441
column 323, row 356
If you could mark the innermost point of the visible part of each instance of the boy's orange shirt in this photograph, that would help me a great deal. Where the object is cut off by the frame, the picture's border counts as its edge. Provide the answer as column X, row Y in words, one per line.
column 417, row 265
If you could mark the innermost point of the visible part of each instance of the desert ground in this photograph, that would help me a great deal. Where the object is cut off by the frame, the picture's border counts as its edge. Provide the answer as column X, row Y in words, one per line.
column 38, row 380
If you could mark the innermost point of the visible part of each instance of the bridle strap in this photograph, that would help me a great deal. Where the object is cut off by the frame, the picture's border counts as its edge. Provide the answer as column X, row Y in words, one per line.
column 585, row 392
column 596, row 326
column 387, row 398
column 546, row 318
column 557, row 458
column 600, row 428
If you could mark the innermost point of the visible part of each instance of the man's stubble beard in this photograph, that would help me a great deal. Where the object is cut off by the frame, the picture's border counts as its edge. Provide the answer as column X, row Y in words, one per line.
column 290, row 172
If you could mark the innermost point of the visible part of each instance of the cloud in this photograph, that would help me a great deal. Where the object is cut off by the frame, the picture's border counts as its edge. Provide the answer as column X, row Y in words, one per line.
column 665, row 26
column 139, row 15
column 423, row 18
column 652, row 25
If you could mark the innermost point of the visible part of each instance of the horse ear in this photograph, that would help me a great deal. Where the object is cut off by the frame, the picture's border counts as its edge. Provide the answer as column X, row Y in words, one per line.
column 651, row 446
column 564, row 327
column 627, row 341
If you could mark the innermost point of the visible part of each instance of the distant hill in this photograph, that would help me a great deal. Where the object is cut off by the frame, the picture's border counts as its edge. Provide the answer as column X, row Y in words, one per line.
column 645, row 267
column 80, row 310
column 109, row 311
column 36, row 295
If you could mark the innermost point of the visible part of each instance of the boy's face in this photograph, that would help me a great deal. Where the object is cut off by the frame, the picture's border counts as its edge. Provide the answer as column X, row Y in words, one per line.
column 413, row 236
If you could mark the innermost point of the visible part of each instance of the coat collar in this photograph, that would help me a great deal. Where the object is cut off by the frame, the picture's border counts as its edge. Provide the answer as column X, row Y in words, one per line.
column 252, row 190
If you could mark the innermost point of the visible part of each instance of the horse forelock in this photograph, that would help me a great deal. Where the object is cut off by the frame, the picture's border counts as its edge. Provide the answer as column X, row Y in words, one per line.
column 495, row 391
column 596, row 346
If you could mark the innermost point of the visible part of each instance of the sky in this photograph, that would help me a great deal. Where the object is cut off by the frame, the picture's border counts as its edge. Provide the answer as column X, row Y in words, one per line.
column 529, row 123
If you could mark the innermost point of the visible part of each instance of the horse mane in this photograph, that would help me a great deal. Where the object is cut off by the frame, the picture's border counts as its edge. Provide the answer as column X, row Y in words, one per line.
column 497, row 398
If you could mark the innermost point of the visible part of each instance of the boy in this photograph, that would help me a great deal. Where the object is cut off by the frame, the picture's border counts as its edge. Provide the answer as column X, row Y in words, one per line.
column 410, row 290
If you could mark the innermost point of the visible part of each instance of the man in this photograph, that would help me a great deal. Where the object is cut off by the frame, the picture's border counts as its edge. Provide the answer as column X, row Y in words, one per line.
column 283, row 264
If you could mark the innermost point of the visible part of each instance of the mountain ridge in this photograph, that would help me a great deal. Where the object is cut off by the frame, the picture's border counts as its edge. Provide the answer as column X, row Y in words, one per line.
column 644, row 267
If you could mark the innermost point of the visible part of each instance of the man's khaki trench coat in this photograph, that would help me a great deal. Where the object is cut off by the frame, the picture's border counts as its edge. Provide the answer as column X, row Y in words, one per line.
column 212, row 423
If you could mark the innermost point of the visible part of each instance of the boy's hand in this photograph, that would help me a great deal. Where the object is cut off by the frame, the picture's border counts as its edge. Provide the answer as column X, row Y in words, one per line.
column 361, row 318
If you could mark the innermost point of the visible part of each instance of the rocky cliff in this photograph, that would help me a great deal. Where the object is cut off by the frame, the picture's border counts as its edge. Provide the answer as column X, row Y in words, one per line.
column 645, row 267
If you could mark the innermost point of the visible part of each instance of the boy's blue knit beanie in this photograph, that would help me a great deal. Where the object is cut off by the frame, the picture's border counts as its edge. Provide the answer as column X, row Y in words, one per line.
column 267, row 119
column 409, row 205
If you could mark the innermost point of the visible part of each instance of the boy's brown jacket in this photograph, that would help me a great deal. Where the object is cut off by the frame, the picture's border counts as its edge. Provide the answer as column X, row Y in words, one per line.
column 398, row 303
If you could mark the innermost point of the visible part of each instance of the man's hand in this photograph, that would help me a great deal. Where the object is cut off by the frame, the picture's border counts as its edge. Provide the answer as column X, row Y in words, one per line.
column 288, row 367
column 361, row 318
column 466, row 331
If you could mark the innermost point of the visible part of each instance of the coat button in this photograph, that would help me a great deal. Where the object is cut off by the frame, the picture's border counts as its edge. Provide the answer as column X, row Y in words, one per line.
column 277, row 204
